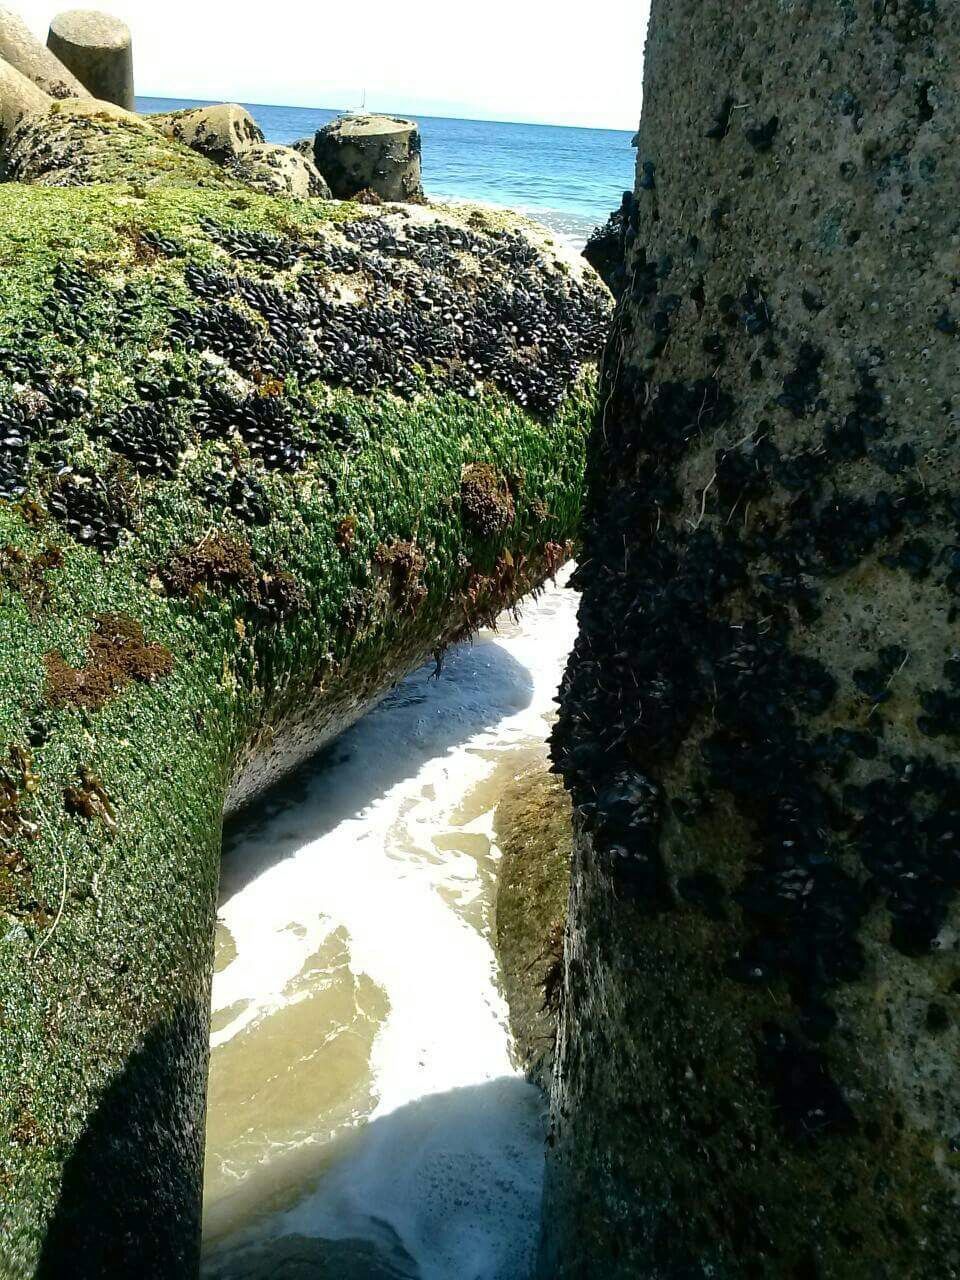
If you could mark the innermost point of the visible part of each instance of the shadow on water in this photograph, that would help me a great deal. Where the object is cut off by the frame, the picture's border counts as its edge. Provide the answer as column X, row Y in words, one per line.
column 422, row 719
column 445, row 1188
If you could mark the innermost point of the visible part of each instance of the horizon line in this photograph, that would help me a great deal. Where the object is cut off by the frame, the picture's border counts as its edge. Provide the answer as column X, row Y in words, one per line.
column 297, row 106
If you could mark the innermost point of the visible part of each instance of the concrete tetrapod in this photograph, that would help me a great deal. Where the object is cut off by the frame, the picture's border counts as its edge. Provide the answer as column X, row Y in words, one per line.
column 21, row 48
column 759, row 1061
column 370, row 153
column 253, row 468
column 98, row 49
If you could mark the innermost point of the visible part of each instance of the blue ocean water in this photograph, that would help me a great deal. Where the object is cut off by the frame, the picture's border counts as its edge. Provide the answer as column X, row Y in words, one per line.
column 570, row 179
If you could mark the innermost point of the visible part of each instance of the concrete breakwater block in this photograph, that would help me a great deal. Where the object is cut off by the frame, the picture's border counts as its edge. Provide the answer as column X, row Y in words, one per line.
column 79, row 142
column 370, row 153
column 221, row 133
column 249, row 476
column 21, row 48
column 279, row 170
column 19, row 98
column 98, row 49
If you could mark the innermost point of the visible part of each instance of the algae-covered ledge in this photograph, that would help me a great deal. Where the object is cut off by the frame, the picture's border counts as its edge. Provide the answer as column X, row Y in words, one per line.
column 259, row 457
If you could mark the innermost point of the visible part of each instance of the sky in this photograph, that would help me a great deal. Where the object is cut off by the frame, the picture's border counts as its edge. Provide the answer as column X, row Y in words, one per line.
column 542, row 61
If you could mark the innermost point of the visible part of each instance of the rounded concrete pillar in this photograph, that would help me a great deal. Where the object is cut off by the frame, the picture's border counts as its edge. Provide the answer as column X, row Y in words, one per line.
column 25, row 53
column 370, row 153
column 19, row 97
column 98, row 50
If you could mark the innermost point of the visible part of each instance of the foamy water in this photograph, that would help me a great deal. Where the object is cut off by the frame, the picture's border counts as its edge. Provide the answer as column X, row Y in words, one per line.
column 363, row 1086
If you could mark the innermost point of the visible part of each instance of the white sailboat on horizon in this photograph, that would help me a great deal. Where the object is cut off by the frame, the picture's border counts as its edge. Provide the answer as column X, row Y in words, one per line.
column 352, row 111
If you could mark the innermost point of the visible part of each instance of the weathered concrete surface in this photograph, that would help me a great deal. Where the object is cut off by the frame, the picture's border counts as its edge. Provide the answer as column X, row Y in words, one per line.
column 19, row 98
column 21, row 48
column 279, row 170
column 98, row 49
column 370, row 153
column 759, row 1072
column 222, row 133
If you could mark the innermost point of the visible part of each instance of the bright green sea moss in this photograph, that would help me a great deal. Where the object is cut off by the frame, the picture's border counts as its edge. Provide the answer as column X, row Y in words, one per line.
column 109, row 855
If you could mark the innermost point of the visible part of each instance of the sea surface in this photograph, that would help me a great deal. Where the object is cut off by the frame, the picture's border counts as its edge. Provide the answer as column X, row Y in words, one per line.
column 570, row 179
column 366, row 1116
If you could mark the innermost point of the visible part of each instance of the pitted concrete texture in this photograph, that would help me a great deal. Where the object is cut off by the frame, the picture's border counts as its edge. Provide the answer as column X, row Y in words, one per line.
column 98, row 49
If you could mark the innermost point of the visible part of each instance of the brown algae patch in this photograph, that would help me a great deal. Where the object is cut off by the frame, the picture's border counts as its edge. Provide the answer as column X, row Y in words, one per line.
column 87, row 798
column 534, row 829
column 404, row 564
column 18, row 783
column 216, row 563
column 27, row 575
column 486, row 501
column 219, row 563
column 117, row 655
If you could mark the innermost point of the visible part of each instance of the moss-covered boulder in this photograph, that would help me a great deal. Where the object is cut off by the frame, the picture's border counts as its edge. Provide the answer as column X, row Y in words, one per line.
column 77, row 142
column 759, row 1063
column 235, row 437
column 534, row 830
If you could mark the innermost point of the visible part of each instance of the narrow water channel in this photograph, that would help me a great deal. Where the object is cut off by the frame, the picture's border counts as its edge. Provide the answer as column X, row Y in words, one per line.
column 366, row 1116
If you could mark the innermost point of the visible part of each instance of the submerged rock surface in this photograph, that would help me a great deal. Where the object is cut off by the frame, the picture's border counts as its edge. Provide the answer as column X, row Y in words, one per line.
column 236, row 431
column 758, row 1062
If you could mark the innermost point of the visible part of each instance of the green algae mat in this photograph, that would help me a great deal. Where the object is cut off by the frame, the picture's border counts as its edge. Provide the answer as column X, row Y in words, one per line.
column 258, row 458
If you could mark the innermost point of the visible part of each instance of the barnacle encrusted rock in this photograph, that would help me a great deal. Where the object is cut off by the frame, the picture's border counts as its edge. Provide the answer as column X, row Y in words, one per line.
column 279, row 170
column 81, row 141
column 370, row 153
column 234, row 431
column 77, row 142
column 759, row 1061
column 222, row 132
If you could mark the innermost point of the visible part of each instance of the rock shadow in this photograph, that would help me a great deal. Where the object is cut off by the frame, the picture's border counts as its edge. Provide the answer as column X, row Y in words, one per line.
column 449, row 1185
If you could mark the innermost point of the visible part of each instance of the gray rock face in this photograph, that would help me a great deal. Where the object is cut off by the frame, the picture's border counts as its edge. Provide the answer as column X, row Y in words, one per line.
column 98, row 49
column 280, row 170
column 222, row 133
column 19, row 98
column 759, row 1057
column 370, row 153
column 22, row 50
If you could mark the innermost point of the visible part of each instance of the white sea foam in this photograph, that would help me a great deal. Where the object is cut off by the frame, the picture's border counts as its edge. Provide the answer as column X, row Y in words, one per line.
column 392, row 848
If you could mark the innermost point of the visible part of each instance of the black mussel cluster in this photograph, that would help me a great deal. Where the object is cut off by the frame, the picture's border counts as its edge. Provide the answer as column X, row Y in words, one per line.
column 209, row 283
column 90, row 508
column 34, row 420
column 146, row 436
column 14, row 458
column 243, row 495
column 434, row 306
column 254, row 246
column 64, row 310
column 515, row 325
column 263, row 422
column 225, row 331
column 162, row 245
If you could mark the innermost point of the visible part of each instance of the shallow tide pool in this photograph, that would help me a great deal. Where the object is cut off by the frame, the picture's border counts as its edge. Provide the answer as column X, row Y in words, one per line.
column 366, row 1116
